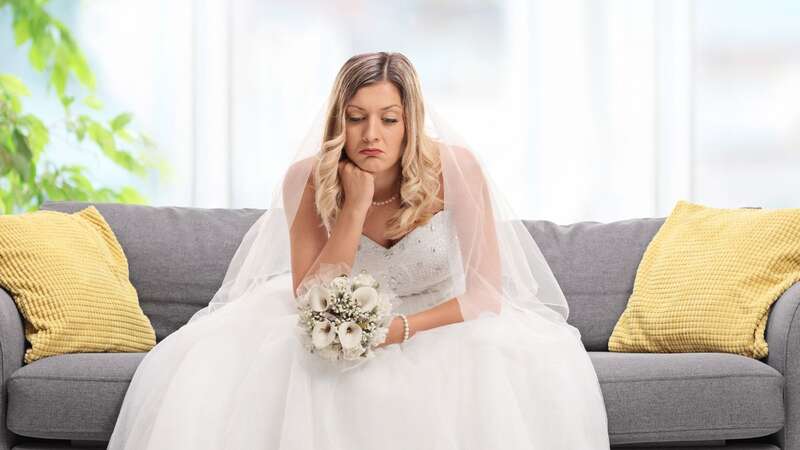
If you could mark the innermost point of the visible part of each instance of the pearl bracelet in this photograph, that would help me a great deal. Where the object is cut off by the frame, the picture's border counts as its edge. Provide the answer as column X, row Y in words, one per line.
column 405, row 327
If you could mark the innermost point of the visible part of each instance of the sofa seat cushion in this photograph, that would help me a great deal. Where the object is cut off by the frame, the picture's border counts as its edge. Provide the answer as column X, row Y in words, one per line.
column 73, row 396
column 650, row 397
column 663, row 397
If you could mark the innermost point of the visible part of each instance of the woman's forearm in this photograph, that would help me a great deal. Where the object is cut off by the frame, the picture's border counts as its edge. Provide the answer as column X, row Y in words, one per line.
column 442, row 314
column 342, row 245
column 343, row 242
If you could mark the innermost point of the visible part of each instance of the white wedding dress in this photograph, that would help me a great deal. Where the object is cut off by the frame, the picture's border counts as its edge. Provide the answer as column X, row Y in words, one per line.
column 240, row 379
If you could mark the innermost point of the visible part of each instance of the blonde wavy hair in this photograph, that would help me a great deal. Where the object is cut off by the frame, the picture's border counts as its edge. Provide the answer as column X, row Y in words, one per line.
column 420, row 162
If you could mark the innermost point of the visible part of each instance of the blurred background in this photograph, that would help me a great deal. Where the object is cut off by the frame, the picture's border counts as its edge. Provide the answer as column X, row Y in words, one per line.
column 581, row 109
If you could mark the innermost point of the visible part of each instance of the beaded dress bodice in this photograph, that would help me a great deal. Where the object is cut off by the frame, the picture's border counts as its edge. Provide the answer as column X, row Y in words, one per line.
column 417, row 267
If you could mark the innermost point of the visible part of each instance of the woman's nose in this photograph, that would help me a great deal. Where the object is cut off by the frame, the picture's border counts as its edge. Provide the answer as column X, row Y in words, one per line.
column 372, row 131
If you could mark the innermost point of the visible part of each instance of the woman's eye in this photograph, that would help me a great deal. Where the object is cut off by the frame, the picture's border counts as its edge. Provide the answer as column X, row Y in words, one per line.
column 358, row 119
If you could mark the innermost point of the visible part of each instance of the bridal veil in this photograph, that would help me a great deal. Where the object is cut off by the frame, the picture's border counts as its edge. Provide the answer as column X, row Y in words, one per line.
column 499, row 265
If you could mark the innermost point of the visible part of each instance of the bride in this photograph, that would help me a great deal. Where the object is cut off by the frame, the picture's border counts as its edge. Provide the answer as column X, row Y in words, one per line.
column 380, row 185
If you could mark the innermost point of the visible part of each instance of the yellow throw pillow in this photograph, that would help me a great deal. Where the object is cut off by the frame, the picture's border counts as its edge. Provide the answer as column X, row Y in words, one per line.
column 707, row 280
column 68, row 276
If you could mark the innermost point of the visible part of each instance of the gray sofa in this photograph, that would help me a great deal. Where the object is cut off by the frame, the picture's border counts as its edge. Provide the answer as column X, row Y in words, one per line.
column 178, row 257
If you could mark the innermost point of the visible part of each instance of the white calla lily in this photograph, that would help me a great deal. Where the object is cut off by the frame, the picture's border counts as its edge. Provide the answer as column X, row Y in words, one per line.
column 350, row 335
column 366, row 297
column 323, row 334
column 318, row 298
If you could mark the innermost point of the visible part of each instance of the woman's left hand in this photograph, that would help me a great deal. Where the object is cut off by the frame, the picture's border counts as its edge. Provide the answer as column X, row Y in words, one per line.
column 395, row 334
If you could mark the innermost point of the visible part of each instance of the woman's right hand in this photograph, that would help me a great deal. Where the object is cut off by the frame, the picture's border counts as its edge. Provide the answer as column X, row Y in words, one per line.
column 358, row 185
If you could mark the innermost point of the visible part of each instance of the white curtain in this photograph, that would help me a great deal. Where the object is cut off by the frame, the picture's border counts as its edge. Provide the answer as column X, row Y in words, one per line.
column 582, row 109
column 556, row 97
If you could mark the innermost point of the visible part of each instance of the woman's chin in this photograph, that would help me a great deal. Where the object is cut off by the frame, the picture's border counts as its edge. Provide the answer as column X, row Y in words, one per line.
column 371, row 165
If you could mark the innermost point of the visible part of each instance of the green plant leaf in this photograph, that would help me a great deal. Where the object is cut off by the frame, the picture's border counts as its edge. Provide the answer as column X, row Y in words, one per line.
column 8, row 204
column 124, row 136
column 43, row 45
column 5, row 162
column 104, row 195
column 101, row 136
column 72, row 56
column 21, row 33
column 21, row 158
column 38, row 136
column 119, row 122
column 26, row 180
column 13, row 85
column 48, row 183
column 58, row 78
column 37, row 59
column 82, row 71
column 82, row 183
column 67, row 101
column 80, row 133
column 93, row 102
column 128, row 161
column 105, row 140
column 16, row 105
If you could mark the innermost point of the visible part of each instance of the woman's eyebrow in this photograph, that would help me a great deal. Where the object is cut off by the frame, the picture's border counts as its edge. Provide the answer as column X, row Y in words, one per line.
column 387, row 107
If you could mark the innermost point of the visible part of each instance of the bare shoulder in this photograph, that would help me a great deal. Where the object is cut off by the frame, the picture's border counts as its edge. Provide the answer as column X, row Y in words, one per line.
column 298, row 196
column 298, row 184
column 459, row 160
column 462, row 160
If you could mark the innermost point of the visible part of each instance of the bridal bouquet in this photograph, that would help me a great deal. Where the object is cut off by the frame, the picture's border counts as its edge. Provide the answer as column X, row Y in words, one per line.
column 344, row 318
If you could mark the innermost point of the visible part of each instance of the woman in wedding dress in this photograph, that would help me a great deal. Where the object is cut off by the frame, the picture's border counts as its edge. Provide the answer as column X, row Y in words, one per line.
column 489, row 361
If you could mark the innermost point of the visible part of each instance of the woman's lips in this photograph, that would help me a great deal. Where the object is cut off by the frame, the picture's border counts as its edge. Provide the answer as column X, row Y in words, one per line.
column 370, row 152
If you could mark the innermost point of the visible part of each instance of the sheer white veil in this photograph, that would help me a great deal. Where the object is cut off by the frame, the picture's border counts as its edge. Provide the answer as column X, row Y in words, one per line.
column 499, row 265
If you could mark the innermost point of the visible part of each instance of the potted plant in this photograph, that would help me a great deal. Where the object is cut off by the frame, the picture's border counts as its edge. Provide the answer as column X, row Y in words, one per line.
column 27, row 179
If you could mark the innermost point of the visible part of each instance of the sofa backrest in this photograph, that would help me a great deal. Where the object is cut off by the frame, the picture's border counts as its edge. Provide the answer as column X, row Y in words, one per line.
column 595, row 265
column 178, row 256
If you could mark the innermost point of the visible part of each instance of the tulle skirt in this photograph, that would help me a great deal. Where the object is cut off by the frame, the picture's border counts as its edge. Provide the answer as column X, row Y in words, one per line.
column 240, row 379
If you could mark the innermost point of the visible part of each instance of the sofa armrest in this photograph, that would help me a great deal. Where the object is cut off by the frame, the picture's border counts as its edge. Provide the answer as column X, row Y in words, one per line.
column 783, row 335
column 12, row 350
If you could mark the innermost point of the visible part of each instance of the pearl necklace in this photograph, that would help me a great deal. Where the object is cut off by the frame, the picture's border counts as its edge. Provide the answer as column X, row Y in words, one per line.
column 385, row 201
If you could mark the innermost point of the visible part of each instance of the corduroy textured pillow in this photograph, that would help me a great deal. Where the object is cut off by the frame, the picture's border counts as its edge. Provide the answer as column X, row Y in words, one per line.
column 68, row 276
column 707, row 280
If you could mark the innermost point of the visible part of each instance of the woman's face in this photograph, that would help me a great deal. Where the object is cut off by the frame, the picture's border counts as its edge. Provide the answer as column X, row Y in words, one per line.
column 374, row 119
